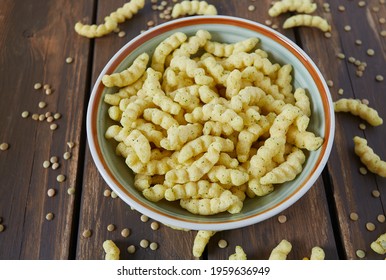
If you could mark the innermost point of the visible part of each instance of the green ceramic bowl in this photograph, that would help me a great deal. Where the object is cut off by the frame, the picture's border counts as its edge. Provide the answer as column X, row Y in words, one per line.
column 223, row 29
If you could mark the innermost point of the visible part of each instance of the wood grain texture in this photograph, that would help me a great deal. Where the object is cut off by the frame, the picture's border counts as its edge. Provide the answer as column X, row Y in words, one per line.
column 34, row 50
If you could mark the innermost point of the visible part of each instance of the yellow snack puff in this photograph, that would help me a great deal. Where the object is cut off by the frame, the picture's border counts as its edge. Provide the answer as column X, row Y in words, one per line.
column 215, row 69
column 233, row 83
column 220, row 173
column 188, row 99
column 302, row 101
column 155, row 193
column 307, row 20
column 227, row 161
column 200, row 241
column 193, row 44
column 132, row 159
column 283, row 80
column 221, row 113
column 210, row 206
column 111, row 250
column 114, row 113
column 185, row 64
column 200, row 189
column 128, row 76
column 124, row 93
column 281, row 251
column 193, row 8
column 256, row 188
column 317, row 253
column 157, row 166
column 357, row 108
column 246, row 97
column 166, row 47
column 286, row 171
column 151, row 133
column 226, row 50
column 134, row 110
column 217, row 128
column 140, row 145
column 367, row 156
column 201, row 144
column 207, row 94
column 158, row 117
column 379, row 245
column 299, row 6
column 142, row 181
column 303, row 140
column 239, row 254
column 166, row 104
column 112, row 131
column 178, row 136
column 283, row 121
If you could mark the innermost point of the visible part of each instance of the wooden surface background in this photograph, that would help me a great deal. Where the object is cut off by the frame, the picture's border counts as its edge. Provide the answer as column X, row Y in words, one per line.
column 37, row 36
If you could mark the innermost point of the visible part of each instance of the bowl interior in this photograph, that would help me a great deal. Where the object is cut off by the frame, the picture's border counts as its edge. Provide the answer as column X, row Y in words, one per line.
column 227, row 30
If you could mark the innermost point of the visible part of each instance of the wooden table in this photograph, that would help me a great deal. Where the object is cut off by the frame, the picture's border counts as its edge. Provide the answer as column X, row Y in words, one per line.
column 37, row 36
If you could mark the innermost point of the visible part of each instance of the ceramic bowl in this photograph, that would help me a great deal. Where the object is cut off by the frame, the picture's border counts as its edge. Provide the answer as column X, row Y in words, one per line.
column 227, row 30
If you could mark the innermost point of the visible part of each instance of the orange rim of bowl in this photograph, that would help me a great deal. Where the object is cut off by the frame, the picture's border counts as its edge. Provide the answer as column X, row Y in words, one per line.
column 224, row 20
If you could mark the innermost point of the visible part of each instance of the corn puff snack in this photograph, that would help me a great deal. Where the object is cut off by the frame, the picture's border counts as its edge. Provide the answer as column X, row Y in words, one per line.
column 379, row 245
column 367, row 156
column 211, row 128
column 357, row 108
column 200, row 241
column 307, row 20
column 127, row 11
column 317, row 253
column 111, row 250
column 299, row 6
column 281, row 251
column 239, row 254
column 193, row 8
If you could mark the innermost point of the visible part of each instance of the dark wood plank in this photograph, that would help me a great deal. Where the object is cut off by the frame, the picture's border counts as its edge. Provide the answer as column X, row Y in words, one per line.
column 36, row 37
column 351, row 190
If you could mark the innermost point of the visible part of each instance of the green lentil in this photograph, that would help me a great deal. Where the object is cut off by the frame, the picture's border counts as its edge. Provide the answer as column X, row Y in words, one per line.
column 125, row 232
column 111, row 227
column 4, row 146
column 222, row 243
column 131, row 249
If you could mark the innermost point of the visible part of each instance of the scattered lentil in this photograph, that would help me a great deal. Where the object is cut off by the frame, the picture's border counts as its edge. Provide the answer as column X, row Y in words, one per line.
column 330, row 83
column 50, row 119
column 375, row 9
column 363, row 170
column 153, row 246
column 107, row 193
column 51, row 192
column 154, row 7
column 49, row 216
column 48, row 114
column 25, row 114
column 251, row 8
column 35, row 117
column 370, row 52
column 268, row 22
column 282, row 219
column 131, row 249
column 154, row 225
column 275, row 26
column 144, row 218
column 122, row 34
column 370, row 226
column 363, row 127
column 150, row 23
column 4, row 146
column 354, row 216
column 327, row 34
column 69, row 60
column 53, row 126
column 347, row 28
column 375, row 193
column 222, row 243
column 365, row 101
column 361, row 67
column 37, row 86
column 360, row 254
column 383, row 33
column 54, row 159
column 46, row 86
column 42, row 117
column 144, row 243
column 362, row 3
column 67, row 155
column 61, row 178
column 70, row 145
column 358, row 42
column 46, row 164
column 351, row 59
column 86, row 233
column 125, row 232
column 340, row 91
column 111, row 227
column 71, row 191
column 55, row 166
column 341, row 8
column 57, row 116
column 379, row 78
column 341, row 56
column 113, row 194
column 2, row 228
column 359, row 73
column 381, row 218
column 48, row 91
column 382, row 20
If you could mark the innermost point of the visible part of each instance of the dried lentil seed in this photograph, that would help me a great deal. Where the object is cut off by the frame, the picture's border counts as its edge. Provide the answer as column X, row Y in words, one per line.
column 222, row 243
column 358, row 42
column 361, row 68
column 106, row 193
column 57, row 116
column 347, row 28
column 351, row 59
column 144, row 243
column 61, row 178
column 111, row 227
column 144, row 218
column 383, row 33
column 70, row 145
column 35, row 117
column 354, row 216
column 154, row 7
column 42, row 117
column 370, row 226
column 375, row 193
column 379, row 78
column 71, row 191
column 46, row 164
column 362, row 126
column 282, row 219
column 341, row 8
column 340, row 56
column 87, row 233
column 53, row 126
column 360, row 254
column 54, row 159
column 4, row 146
column 251, row 8
column 375, row 9
column 327, row 34
column 365, row 101
column 51, row 192
column 359, row 73
column 37, row 86
column 330, row 83
column 125, row 232
column 153, row 246
column 363, row 170
column 46, row 86
column 113, row 194
column 370, row 52
column 381, row 218
column 55, row 166
column 131, row 249
column 122, row 34
column 49, row 216
column 340, row 91
column 69, row 60
column 268, row 22
column 50, row 119
column 382, row 20
column 362, row 3
column 2, row 228
column 48, row 91
column 48, row 114
column 67, row 155
column 275, row 26
column 154, row 225
column 25, row 114
column 150, row 23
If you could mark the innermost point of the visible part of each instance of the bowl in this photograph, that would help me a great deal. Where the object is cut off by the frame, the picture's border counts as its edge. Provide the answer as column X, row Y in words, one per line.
column 228, row 30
